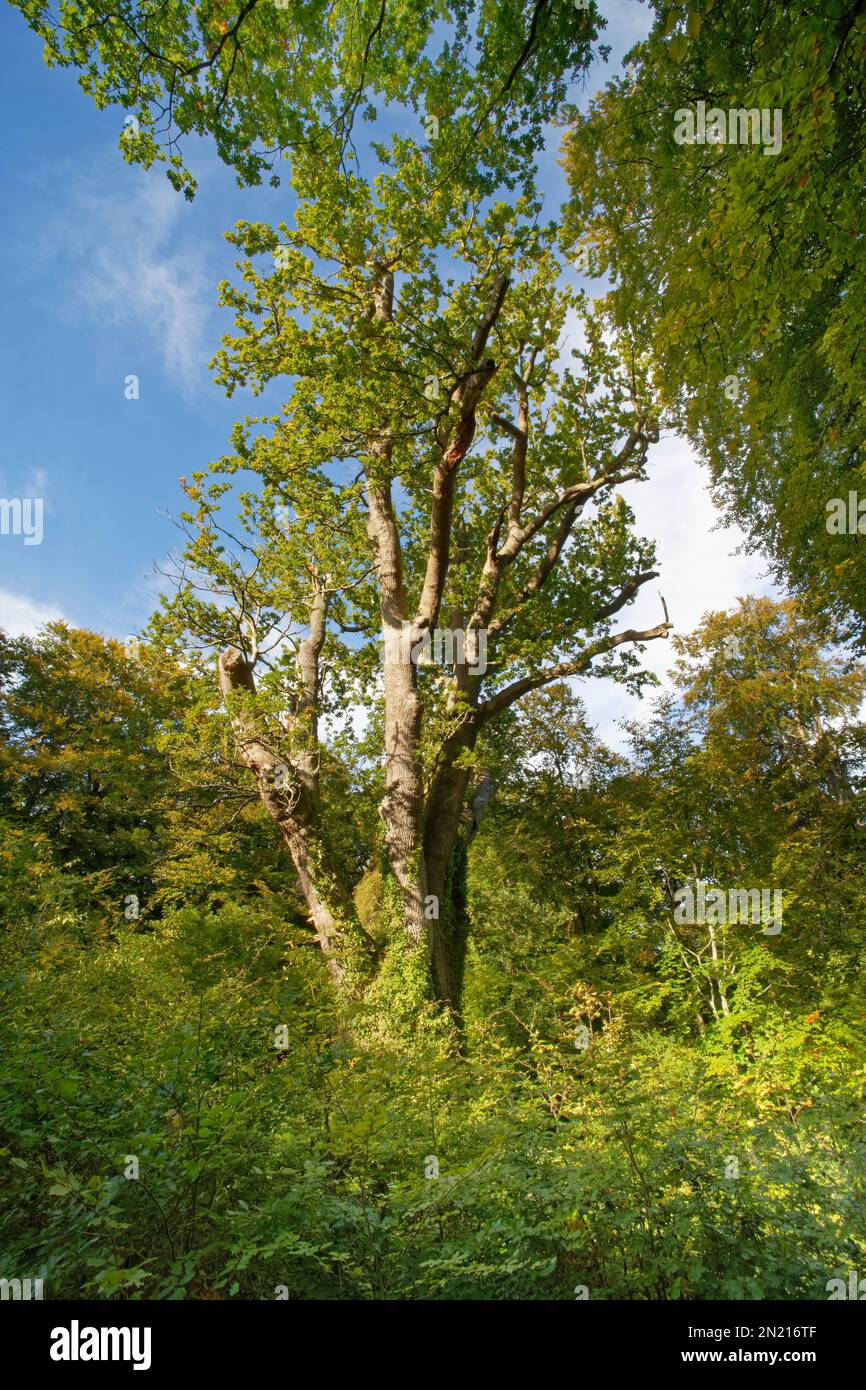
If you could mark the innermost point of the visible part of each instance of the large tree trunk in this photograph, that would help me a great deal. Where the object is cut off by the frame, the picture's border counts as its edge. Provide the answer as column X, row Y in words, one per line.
column 402, row 803
column 402, row 808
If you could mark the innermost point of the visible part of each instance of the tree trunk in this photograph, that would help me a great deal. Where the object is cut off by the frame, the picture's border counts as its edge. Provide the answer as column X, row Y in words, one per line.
column 288, row 795
column 402, row 803
column 448, row 830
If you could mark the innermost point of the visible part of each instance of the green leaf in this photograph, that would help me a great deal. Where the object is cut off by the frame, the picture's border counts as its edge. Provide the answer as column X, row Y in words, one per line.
column 678, row 47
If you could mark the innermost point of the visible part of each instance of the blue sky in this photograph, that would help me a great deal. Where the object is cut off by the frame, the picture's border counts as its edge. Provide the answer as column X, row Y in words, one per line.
column 107, row 272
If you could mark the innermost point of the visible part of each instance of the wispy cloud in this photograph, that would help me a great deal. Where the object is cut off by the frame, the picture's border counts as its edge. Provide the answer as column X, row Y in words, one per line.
column 130, row 263
column 135, row 273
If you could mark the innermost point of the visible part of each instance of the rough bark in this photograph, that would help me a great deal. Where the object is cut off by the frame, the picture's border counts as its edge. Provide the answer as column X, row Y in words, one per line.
column 403, row 800
column 402, row 804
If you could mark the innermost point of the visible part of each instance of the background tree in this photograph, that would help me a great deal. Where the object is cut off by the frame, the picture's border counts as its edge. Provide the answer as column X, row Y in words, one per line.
column 742, row 271
column 752, row 777
column 81, row 765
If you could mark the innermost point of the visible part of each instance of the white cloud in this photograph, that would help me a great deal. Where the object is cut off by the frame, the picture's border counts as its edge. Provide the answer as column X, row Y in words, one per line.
column 699, row 572
column 22, row 617
column 699, row 569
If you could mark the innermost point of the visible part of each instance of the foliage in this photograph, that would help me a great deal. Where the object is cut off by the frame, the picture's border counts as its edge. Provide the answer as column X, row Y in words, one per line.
column 285, row 1143
column 742, row 270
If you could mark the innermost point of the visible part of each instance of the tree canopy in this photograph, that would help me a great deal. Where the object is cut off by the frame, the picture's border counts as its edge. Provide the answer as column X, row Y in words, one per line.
column 739, row 267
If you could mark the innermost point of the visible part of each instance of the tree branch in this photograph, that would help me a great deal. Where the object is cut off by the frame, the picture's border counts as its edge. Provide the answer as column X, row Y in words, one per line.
column 501, row 701
column 455, row 448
